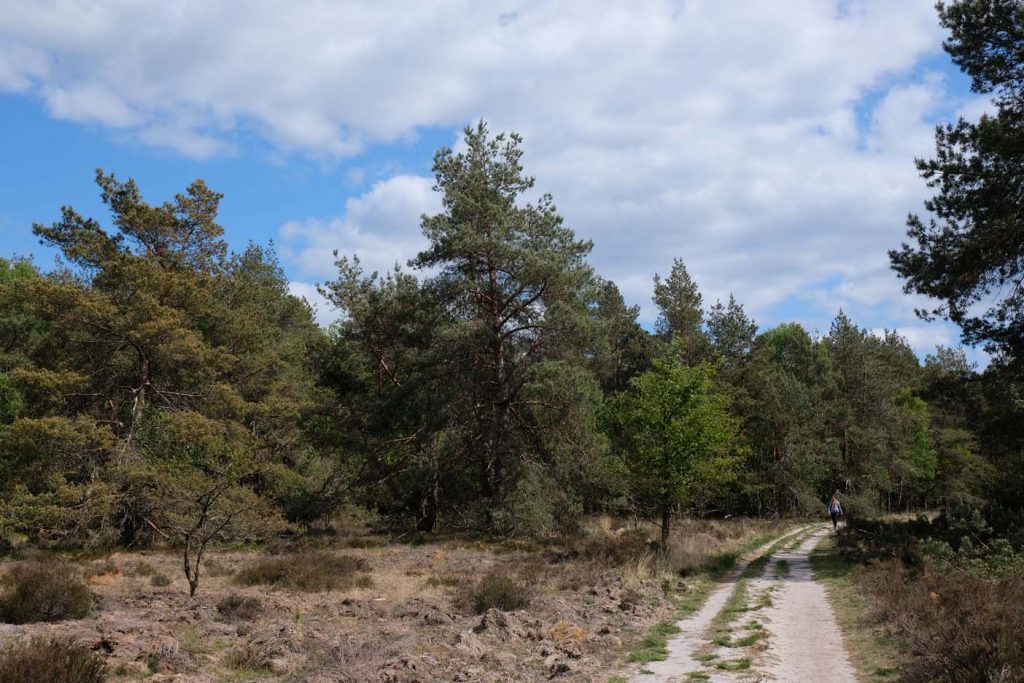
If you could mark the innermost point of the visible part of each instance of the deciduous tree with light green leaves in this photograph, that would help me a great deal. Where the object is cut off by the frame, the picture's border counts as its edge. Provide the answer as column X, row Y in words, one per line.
column 678, row 436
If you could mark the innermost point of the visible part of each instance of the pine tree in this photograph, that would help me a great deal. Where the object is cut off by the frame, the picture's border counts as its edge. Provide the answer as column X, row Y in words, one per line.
column 731, row 332
column 681, row 315
column 969, row 253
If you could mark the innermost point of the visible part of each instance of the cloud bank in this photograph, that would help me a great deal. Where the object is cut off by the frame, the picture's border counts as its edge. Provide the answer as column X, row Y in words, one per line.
column 769, row 145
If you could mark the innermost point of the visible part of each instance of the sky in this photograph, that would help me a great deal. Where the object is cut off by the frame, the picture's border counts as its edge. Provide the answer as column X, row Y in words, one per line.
column 768, row 145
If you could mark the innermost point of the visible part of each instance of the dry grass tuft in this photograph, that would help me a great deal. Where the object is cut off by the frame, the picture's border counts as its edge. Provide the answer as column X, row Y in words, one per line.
column 160, row 580
column 564, row 632
column 242, row 607
column 44, row 660
column 497, row 589
column 140, row 568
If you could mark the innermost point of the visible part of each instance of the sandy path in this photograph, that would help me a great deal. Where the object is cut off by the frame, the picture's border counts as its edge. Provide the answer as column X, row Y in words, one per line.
column 694, row 629
column 805, row 642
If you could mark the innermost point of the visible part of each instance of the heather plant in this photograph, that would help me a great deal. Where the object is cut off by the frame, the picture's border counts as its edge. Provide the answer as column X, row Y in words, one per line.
column 46, row 660
column 44, row 590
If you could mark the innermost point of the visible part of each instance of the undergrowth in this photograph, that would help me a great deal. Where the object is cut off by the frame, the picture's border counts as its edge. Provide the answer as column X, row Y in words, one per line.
column 309, row 572
column 49, row 590
column 950, row 589
column 46, row 660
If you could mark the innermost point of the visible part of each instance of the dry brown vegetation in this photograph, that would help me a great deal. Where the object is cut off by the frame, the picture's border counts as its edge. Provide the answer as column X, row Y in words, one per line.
column 455, row 609
column 948, row 591
column 45, row 660
column 957, row 627
column 309, row 572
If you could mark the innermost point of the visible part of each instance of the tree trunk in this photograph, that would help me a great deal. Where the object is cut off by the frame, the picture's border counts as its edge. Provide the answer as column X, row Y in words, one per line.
column 666, row 518
column 428, row 505
column 192, row 573
column 502, row 407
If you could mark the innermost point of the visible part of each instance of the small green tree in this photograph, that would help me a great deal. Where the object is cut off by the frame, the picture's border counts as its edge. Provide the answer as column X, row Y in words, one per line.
column 190, row 486
column 678, row 435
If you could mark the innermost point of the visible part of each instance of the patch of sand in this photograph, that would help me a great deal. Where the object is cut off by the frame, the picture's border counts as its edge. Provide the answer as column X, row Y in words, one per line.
column 806, row 643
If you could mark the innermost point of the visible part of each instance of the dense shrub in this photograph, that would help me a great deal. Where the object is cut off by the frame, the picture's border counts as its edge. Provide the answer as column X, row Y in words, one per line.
column 318, row 571
column 956, row 626
column 43, row 591
column 951, row 588
column 986, row 543
column 236, row 606
column 495, row 589
column 43, row 660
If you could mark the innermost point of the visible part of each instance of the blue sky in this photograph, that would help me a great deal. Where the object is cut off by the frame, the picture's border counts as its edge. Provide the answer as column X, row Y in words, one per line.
column 769, row 146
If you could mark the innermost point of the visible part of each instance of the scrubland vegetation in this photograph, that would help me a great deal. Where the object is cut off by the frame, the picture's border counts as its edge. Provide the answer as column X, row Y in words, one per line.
column 358, row 608
column 944, row 595
column 416, row 492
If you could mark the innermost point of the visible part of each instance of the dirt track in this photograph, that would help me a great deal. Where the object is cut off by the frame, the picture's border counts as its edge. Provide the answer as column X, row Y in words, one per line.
column 778, row 626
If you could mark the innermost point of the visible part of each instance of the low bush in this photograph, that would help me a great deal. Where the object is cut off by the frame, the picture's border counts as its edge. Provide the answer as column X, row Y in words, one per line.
column 616, row 548
column 236, row 606
column 309, row 572
column 160, row 580
column 251, row 656
column 44, row 660
column 951, row 589
column 956, row 626
column 496, row 589
column 47, row 590
column 351, row 659
column 447, row 580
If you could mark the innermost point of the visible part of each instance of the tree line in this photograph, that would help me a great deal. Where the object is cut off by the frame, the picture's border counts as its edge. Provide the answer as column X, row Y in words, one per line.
column 158, row 387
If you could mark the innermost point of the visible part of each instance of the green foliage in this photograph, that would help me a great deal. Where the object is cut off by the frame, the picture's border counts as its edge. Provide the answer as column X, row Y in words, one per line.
column 963, row 568
column 160, row 389
column 43, row 591
column 470, row 388
column 54, row 660
column 679, row 435
column 171, row 374
column 621, row 348
column 681, row 314
column 731, row 332
column 968, row 251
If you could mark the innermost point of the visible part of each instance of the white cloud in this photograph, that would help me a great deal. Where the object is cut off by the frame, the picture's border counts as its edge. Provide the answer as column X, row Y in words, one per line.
column 770, row 145
column 924, row 337
column 323, row 310
column 381, row 227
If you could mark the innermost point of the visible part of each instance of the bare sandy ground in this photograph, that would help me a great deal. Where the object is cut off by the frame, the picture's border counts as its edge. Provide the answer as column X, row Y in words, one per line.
column 802, row 641
column 694, row 630
column 806, row 643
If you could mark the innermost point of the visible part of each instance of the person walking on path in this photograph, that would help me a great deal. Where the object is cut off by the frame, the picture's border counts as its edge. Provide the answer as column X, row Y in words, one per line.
column 835, row 510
